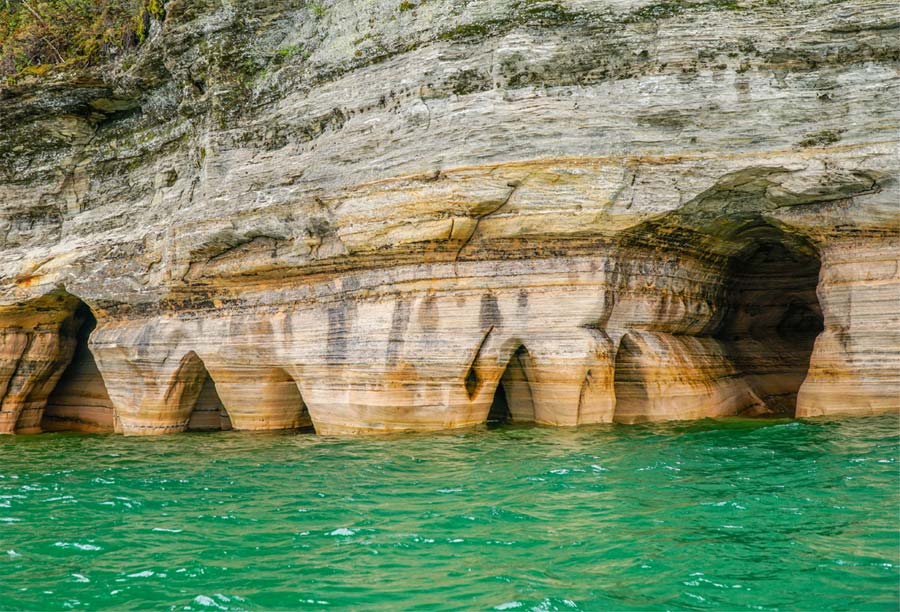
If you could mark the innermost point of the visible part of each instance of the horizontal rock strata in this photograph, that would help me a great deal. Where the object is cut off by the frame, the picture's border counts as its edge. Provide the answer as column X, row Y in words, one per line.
column 376, row 219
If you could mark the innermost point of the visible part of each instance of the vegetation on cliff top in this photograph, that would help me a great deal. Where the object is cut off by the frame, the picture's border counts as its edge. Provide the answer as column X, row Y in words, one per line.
column 37, row 35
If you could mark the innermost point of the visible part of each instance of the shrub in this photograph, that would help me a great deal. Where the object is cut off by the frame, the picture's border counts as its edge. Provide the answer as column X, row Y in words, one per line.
column 36, row 35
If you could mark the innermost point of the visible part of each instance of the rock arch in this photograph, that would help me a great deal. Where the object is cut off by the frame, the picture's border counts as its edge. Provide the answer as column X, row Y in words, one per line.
column 194, row 396
column 209, row 413
column 80, row 400
column 43, row 346
column 724, row 329
column 513, row 399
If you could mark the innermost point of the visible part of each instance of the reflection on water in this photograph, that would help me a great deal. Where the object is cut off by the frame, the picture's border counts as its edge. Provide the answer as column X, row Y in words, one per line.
column 730, row 514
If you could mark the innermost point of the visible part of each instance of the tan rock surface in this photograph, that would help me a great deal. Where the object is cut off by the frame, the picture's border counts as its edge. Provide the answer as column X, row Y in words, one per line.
column 379, row 220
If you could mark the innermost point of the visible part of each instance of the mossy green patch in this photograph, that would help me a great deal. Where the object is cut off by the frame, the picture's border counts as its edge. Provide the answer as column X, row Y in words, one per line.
column 821, row 138
column 291, row 51
column 469, row 30
column 672, row 8
column 38, row 35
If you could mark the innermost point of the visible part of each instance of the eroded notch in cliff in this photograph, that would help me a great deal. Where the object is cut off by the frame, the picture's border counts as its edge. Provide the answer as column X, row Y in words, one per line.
column 80, row 401
column 513, row 401
column 773, row 316
column 207, row 412
column 245, row 397
column 720, row 315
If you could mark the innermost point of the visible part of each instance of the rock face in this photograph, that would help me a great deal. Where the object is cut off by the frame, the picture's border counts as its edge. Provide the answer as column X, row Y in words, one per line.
column 383, row 216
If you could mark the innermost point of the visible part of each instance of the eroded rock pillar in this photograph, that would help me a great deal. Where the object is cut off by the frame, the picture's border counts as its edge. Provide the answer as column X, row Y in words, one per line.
column 563, row 380
column 855, row 366
column 153, row 391
column 43, row 354
column 36, row 346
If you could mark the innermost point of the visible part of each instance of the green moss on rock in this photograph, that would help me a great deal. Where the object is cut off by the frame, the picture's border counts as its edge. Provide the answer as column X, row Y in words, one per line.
column 820, row 139
column 38, row 35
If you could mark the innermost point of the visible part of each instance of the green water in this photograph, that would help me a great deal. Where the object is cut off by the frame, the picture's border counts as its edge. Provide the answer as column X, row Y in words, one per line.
column 724, row 515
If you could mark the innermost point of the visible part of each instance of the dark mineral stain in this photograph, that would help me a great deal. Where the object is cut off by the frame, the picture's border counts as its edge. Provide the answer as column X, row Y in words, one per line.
column 399, row 323
column 490, row 311
column 429, row 314
column 340, row 318
column 522, row 301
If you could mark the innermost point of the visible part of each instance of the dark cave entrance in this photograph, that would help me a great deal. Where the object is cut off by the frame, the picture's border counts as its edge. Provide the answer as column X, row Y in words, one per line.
column 499, row 413
column 513, row 401
column 79, row 401
column 773, row 315
column 207, row 412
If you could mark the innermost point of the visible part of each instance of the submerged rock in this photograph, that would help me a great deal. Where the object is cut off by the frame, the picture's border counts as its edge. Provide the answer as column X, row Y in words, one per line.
column 387, row 216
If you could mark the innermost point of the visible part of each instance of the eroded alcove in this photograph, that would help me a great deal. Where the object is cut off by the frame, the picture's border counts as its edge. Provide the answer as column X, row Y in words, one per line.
column 719, row 316
column 199, row 396
column 630, row 378
column 772, row 315
column 242, row 397
column 513, row 400
column 79, row 400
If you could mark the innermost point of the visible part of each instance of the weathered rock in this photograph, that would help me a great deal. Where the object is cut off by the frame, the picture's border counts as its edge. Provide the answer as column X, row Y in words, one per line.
column 80, row 401
column 597, row 211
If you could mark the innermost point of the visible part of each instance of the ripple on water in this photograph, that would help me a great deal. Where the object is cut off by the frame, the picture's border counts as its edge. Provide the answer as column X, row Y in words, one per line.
column 732, row 514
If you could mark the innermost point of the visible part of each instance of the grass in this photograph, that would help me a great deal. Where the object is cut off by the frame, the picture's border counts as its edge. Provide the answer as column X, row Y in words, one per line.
column 39, row 35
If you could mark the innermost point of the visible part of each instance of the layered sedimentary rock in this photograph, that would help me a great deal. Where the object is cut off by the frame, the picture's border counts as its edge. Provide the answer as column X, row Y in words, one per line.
column 80, row 401
column 376, row 217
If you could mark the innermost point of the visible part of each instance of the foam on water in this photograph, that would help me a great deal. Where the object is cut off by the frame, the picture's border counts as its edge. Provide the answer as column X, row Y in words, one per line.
column 731, row 514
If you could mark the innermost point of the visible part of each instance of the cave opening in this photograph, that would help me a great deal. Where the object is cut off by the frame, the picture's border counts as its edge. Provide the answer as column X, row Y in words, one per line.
column 499, row 413
column 79, row 401
column 720, row 318
column 258, row 398
column 772, row 316
column 207, row 412
column 513, row 401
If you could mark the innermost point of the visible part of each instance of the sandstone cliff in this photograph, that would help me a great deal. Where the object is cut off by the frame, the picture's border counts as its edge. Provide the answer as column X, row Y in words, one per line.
column 381, row 215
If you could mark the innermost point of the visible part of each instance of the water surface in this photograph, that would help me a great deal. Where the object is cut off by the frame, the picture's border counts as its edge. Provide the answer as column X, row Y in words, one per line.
column 718, row 515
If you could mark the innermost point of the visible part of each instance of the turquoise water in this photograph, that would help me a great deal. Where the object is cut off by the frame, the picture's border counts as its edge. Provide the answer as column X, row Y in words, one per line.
column 720, row 515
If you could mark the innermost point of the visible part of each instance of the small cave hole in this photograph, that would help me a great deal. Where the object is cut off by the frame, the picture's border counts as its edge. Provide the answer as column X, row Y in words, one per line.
column 471, row 382
column 80, row 401
column 208, row 413
column 513, row 401
column 499, row 413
